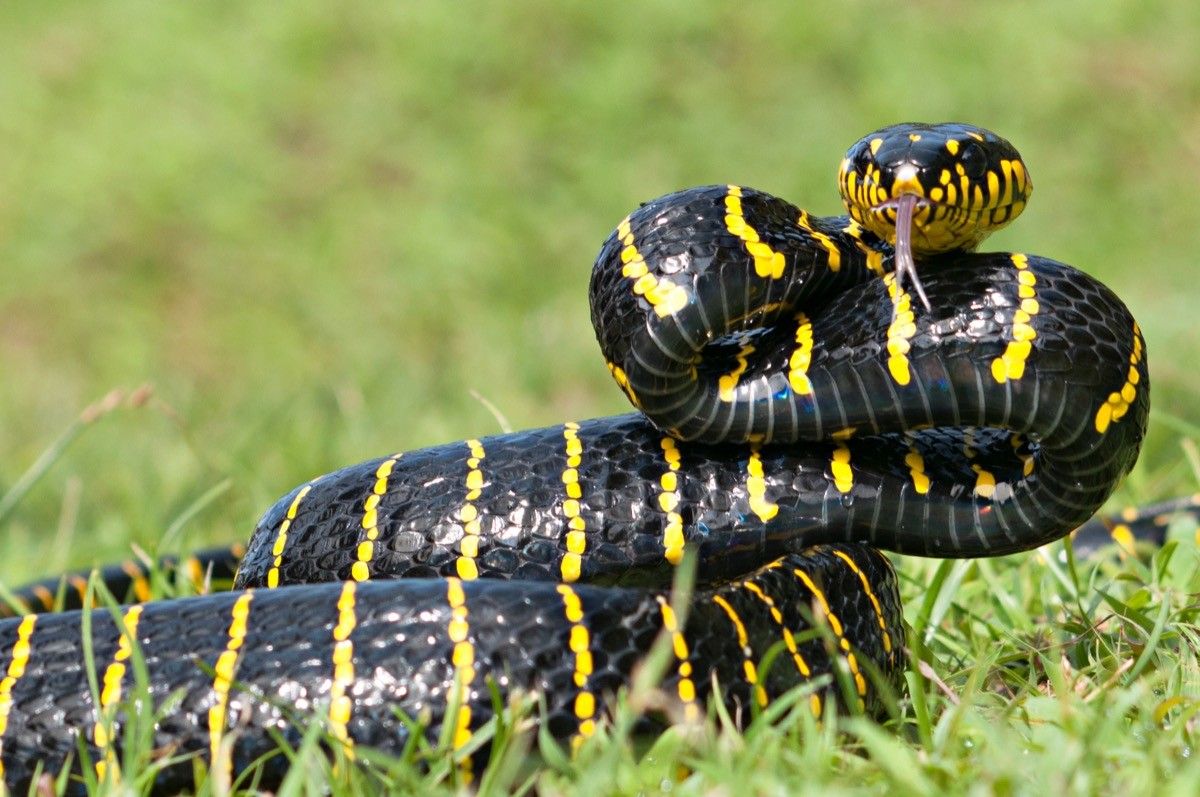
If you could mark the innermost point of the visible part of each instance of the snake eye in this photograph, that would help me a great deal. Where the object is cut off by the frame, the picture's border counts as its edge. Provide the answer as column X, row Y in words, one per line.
column 973, row 160
column 861, row 158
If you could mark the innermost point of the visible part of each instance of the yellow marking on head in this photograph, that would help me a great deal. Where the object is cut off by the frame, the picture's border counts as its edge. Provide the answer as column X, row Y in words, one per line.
column 914, row 137
column 875, row 144
column 281, row 539
column 952, row 146
column 849, row 178
column 663, row 295
column 993, row 186
column 767, row 262
column 1007, row 171
column 340, row 704
column 756, row 487
column 686, row 688
column 789, row 640
column 576, row 537
column 843, row 434
column 964, row 187
column 900, row 331
column 468, row 514
column 866, row 585
column 1020, row 178
column 1122, row 535
column 748, row 668
column 17, row 662
column 673, row 538
column 916, row 469
column 224, row 669
column 833, row 255
column 860, row 681
column 361, row 570
column 801, row 357
column 839, row 468
column 727, row 383
column 1118, row 403
column 1011, row 364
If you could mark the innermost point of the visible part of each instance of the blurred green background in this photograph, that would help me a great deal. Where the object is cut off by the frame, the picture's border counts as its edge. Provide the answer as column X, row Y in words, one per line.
column 315, row 228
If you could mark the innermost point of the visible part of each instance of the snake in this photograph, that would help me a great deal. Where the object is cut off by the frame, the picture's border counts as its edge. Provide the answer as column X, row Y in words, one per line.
column 809, row 391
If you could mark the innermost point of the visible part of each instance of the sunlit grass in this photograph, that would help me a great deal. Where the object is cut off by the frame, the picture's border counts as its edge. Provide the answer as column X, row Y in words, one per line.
column 321, row 232
column 1027, row 674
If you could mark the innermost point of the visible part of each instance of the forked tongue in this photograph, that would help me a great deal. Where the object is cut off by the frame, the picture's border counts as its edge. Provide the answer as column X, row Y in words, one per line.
column 906, row 267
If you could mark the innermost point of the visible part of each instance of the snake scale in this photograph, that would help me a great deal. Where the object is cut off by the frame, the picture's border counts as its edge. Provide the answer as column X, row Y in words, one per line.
column 804, row 400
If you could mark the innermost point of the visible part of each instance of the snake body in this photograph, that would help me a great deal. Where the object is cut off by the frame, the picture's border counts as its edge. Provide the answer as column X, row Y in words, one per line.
column 799, row 409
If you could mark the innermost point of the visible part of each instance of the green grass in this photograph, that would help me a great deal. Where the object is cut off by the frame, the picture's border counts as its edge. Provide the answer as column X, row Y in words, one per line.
column 314, row 229
column 1030, row 675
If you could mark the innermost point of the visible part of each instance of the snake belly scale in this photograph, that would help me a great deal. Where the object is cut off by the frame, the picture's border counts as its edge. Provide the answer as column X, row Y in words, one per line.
column 804, row 400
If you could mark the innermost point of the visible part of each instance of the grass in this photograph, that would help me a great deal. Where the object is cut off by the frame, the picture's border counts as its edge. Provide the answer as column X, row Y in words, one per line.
column 312, row 230
column 1030, row 675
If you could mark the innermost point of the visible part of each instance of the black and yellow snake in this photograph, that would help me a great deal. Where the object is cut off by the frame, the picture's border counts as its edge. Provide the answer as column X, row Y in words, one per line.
column 804, row 400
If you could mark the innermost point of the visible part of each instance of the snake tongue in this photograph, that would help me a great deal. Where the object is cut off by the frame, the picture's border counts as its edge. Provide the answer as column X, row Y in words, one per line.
column 906, row 267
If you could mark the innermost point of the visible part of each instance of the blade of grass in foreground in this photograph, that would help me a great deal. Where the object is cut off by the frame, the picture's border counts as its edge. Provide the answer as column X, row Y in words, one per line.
column 53, row 453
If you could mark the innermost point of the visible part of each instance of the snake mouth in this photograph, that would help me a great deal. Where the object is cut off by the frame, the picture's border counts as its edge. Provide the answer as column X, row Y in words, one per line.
column 894, row 203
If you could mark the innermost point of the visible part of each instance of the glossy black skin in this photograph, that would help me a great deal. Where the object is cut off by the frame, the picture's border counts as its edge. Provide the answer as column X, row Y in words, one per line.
column 403, row 654
column 1084, row 340
column 1081, row 354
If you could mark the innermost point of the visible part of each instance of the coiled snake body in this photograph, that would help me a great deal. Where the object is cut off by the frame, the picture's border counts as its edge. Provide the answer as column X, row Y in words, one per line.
column 800, row 407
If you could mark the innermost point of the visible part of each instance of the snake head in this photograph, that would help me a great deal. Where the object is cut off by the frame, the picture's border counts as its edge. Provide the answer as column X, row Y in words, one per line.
column 927, row 189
